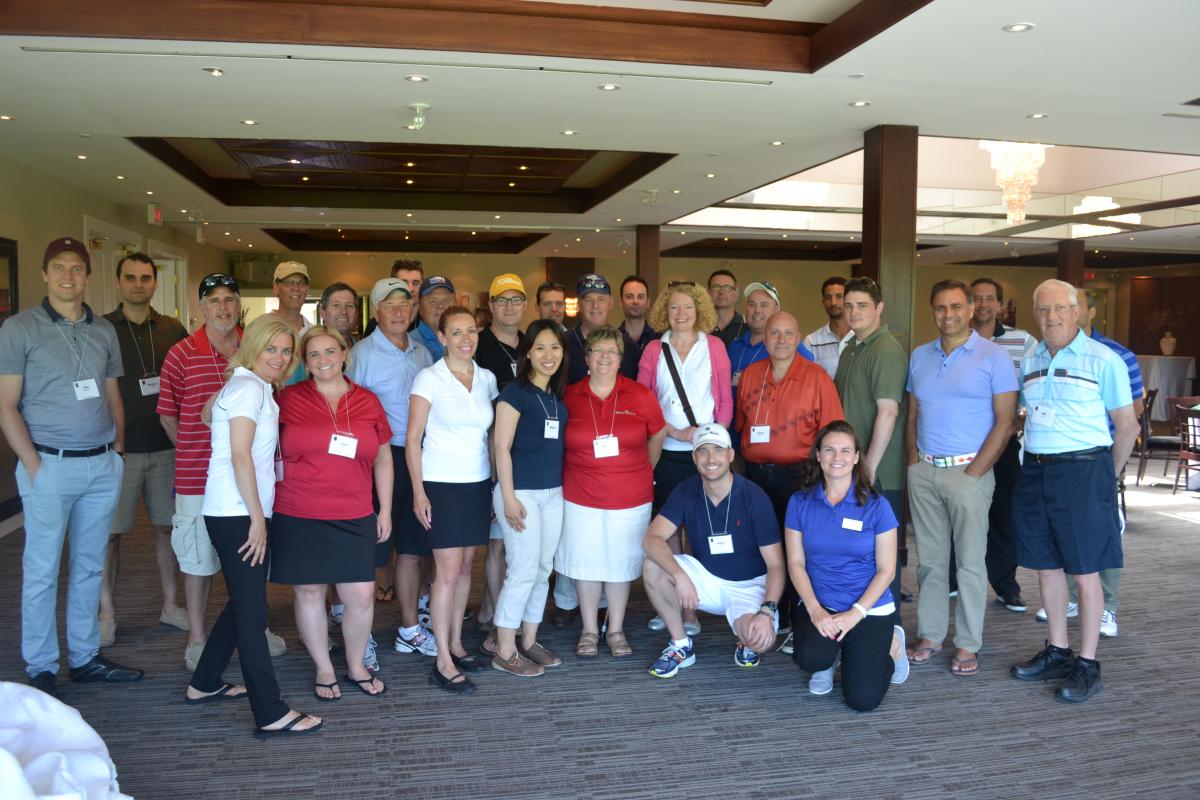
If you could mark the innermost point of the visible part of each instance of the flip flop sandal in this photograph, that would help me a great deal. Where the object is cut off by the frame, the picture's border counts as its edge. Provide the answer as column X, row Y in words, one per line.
column 964, row 667
column 289, row 729
column 929, row 652
column 331, row 687
column 385, row 595
column 220, row 694
column 364, row 683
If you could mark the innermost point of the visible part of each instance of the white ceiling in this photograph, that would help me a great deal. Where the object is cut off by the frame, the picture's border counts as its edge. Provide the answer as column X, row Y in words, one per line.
column 1104, row 70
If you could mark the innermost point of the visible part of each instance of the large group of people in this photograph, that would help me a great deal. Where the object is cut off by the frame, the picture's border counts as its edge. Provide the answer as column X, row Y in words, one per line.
column 590, row 456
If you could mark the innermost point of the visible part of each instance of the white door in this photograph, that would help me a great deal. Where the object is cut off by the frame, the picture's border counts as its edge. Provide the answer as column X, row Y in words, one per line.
column 170, row 298
column 107, row 245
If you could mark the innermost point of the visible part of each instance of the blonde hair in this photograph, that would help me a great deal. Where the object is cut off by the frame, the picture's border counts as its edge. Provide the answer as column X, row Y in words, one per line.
column 706, row 313
column 258, row 334
column 605, row 333
column 322, row 330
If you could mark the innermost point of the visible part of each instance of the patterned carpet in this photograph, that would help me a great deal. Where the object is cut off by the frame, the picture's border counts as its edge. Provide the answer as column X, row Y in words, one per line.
column 605, row 729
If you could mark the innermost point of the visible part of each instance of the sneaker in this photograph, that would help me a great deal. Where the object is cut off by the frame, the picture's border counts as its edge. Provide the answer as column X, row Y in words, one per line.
column 336, row 612
column 743, row 656
column 1013, row 603
column 423, row 610
column 421, row 642
column 1108, row 624
column 1083, row 683
column 45, row 682
column 899, row 656
column 370, row 658
column 101, row 669
column 821, row 683
column 672, row 660
column 275, row 644
column 692, row 628
column 1072, row 612
column 191, row 655
column 656, row 624
column 1052, row 663
column 786, row 647
column 108, row 631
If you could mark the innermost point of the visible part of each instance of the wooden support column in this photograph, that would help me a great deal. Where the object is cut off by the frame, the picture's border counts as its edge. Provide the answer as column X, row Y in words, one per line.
column 890, row 222
column 1070, row 262
column 647, row 262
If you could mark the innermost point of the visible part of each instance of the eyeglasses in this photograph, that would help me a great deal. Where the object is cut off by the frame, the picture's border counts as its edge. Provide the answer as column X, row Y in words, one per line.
column 216, row 279
column 604, row 353
column 724, row 288
column 293, row 283
column 505, row 302
column 673, row 284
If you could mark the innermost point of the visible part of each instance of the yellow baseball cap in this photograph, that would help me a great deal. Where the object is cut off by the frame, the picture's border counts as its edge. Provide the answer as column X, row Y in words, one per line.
column 506, row 283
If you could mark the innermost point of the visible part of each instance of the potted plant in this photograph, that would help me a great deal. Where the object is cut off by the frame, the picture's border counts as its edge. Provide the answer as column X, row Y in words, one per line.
column 1163, row 325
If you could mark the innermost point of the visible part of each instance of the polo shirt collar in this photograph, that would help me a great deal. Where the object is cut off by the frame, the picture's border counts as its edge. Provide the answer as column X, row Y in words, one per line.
column 119, row 312
column 1079, row 343
column 382, row 341
column 55, row 316
column 968, row 345
column 203, row 345
column 880, row 331
column 849, row 498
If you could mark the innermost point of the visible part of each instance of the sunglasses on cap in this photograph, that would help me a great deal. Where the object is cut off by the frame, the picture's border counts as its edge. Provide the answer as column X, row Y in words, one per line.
column 673, row 284
column 211, row 282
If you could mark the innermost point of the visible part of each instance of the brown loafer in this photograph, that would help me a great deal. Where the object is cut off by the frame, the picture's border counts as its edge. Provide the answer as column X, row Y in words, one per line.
column 518, row 665
column 541, row 656
column 618, row 645
column 589, row 645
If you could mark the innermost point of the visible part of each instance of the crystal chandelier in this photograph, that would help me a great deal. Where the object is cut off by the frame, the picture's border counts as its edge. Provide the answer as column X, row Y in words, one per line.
column 1016, row 165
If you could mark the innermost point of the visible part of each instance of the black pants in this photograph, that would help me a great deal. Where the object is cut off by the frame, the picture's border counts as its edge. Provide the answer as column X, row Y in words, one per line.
column 780, row 482
column 866, row 658
column 242, row 624
column 1001, row 558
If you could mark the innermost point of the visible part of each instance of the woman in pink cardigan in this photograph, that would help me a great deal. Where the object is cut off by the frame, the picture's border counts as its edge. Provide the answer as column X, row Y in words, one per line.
column 685, row 311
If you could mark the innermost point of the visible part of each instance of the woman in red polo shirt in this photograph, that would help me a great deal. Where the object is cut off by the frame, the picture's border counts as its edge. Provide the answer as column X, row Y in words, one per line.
column 334, row 438
column 614, row 436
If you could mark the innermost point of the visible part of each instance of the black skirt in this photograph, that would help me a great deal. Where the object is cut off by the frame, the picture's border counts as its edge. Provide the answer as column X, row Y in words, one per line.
column 673, row 468
column 313, row 551
column 462, row 514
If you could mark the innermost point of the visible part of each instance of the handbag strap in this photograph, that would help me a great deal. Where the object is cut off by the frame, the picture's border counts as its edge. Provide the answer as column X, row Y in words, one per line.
column 687, row 407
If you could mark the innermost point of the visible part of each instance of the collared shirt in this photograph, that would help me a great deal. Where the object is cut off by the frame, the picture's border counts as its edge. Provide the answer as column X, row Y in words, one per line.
column 869, row 371
column 51, row 353
column 648, row 335
column 1017, row 343
column 144, row 347
column 577, row 367
column 1136, row 388
column 745, row 514
column 428, row 337
column 954, row 393
column 497, row 357
column 1078, row 385
column 699, row 373
column 794, row 408
column 742, row 354
column 826, row 347
column 245, row 395
column 455, row 449
column 376, row 363
column 735, row 328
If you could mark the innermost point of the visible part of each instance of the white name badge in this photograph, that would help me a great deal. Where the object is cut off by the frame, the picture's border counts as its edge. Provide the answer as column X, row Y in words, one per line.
column 737, row 376
column 852, row 524
column 1042, row 415
column 720, row 545
column 278, row 470
column 606, row 446
column 760, row 434
column 148, row 386
column 343, row 445
column 551, row 431
column 87, row 389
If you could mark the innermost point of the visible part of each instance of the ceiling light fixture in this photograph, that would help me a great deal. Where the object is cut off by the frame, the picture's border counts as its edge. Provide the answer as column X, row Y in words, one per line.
column 293, row 161
column 183, row 211
column 410, row 163
column 81, row 157
column 511, row 184
column 609, row 87
column 418, row 120
column 522, row 168
column 416, row 78
column 710, row 175
column 676, row 191
column 569, row 132
column 777, row 143
column 6, row 118
column 857, row 75
column 249, row 122
column 226, row 233
column 1019, row 27
column 859, row 104
column 408, row 215
column 216, row 72
column 149, row 192
column 409, row 182
column 1016, row 165
column 496, row 217
column 1036, row 116
column 120, row 177
column 304, row 178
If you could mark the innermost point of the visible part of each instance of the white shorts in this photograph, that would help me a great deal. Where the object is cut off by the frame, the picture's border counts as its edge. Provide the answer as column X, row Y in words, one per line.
column 718, row 596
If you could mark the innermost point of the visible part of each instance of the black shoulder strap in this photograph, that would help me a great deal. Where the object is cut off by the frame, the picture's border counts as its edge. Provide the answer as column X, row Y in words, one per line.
column 687, row 407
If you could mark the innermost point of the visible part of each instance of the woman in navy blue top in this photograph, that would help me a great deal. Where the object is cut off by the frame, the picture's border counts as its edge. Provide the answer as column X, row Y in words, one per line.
column 841, row 553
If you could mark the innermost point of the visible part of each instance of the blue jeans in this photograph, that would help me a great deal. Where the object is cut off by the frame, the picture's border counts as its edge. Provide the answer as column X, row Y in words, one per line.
column 75, row 497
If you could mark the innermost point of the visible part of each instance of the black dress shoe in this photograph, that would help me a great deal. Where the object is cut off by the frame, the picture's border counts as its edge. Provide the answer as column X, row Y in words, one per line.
column 45, row 682
column 459, row 684
column 468, row 663
column 1083, row 682
column 1052, row 663
column 1013, row 603
column 101, row 669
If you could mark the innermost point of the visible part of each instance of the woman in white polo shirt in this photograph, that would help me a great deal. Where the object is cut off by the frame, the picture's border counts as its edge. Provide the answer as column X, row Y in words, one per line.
column 238, row 500
column 449, row 417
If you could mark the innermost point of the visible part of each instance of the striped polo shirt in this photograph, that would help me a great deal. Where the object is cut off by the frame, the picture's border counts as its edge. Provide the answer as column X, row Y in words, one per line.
column 1070, row 394
column 1017, row 343
column 191, row 373
column 1136, row 387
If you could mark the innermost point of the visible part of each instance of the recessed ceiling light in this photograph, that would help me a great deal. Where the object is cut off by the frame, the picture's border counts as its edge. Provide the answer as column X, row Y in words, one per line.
column 293, row 161
column 183, row 211
column 857, row 75
column 609, row 87
column 472, row 233
column 785, row 236
column 250, row 245
column 578, row 239
column 216, row 72
column 1019, row 27
column 85, row 136
column 522, row 167
column 410, row 163
column 710, row 174
column 569, row 132
column 676, row 191
column 408, row 215
column 496, row 217
column 683, row 233
column 1037, row 116
column 618, row 219
column 777, row 143
column 120, row 177
column 81, row 157
column 511, row 184
column 149, row 192
column 304, row 177
column 249, row 122
column 6, row 118
column 239, row 240
column 416, row 78
column 859, row 104
column 409, row 182
column 226, row 233
column 727, row 238
column 598, row 230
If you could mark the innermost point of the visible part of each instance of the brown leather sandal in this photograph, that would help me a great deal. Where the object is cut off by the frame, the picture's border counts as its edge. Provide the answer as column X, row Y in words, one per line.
column 618, row 644
column 589, row 645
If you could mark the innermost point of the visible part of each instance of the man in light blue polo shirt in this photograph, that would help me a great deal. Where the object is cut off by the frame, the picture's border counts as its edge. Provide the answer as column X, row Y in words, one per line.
column 387, row 363
column 434, row 297
column 962, row 401
column 1066, row 498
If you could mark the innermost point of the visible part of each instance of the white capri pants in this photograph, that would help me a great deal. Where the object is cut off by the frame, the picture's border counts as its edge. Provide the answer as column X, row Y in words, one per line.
column 529, row 554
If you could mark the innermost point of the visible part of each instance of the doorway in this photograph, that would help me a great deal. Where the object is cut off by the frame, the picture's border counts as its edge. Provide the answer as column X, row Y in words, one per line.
column 10, row 501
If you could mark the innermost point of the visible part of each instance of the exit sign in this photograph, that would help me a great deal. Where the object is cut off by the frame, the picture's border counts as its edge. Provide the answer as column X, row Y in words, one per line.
column 154, row 213
column 1089, row 276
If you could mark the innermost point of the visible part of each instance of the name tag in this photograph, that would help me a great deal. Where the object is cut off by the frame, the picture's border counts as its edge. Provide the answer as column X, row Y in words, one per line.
column 343, row 445
column 87, row 389
column 720, row 545
column 551, row 431
column 605, row 446
column 1042, row 415
column 737, row 376
column 760, row 434
column 148, row 386
column 513, row 364
column 852, row 524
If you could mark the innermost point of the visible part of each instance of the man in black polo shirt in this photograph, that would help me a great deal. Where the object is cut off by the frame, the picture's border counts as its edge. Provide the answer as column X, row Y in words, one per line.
column 595, row 304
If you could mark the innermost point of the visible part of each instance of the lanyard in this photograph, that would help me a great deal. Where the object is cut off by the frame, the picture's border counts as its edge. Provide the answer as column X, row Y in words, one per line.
column 509, row 353
column 595, row 425
column 132, row 335
column 74, row 352
column 554, row 404
column 761, row 389
column 729, row 497
column 333, row 416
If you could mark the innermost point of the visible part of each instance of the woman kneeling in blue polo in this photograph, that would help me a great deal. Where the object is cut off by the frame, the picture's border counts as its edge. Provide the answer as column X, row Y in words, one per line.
column 841, row 553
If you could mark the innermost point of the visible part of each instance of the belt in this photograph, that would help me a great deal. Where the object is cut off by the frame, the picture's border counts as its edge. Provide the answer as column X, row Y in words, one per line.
column 773, row 467
column 54, row 451
column 948, row 461
column 1091, row 454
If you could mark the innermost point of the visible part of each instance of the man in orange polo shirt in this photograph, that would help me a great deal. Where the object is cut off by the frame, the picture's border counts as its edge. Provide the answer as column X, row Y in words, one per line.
column 782, row 402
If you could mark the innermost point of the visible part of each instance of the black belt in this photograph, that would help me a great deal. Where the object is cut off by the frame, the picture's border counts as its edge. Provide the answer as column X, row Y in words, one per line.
column 1090, row 454
column 773, row 467
column 54, row 451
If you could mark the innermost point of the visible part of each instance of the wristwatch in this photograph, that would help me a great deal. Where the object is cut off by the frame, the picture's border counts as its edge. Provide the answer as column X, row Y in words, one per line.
column 769, row 608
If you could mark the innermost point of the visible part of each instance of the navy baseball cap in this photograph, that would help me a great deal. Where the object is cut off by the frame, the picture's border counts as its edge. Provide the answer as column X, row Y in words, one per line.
column 435, row 282
column 593, row 283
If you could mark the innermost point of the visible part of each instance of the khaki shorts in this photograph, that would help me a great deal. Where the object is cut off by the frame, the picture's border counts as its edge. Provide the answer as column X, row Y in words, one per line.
column 150, row 476
column 189, row 537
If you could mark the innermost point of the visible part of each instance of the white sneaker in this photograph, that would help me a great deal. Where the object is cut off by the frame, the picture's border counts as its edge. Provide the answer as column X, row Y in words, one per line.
column 822, row 682
column 656, row 624
column 1072, row 612
column 692, row 628
column 275, row 644
column 1108, row 624
column 786, row 648
column 421, row 642
column 899, row 656
column 336, row 612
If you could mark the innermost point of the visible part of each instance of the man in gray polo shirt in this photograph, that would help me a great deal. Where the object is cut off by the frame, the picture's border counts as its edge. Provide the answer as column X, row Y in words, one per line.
column 61, row 412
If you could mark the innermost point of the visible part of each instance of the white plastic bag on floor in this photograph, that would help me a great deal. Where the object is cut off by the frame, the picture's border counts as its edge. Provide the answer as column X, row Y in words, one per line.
column 47, row 751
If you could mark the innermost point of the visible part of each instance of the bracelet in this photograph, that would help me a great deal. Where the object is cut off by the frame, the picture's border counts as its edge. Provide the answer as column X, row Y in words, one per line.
column 861, row 610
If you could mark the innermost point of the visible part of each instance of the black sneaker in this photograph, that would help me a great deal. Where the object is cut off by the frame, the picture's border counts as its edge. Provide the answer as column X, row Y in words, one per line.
column 1052, row 663
column 1013, row 603
column 101, row 669
column 1083, row 682
column 45, row 682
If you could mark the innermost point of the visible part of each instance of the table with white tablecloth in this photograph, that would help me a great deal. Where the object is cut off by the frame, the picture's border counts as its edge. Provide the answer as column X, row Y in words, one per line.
column 1173, row 376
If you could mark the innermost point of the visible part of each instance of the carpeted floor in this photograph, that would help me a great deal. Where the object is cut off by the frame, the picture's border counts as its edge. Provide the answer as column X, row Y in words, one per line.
column 601, row 728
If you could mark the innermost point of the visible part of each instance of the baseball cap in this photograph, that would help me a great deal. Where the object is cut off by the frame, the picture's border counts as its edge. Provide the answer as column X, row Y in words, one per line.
column 65, row 245
column 212, row 281
column 711, row 433
column 593, row 283
column 506, row 283
column 763, row 286
column 435, row 282
column 287, row 268
column 385, row 286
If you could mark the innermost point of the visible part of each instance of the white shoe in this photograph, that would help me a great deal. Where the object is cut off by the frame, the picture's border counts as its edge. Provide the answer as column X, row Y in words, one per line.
column 786, row 648
column 1072, row 612
column 822, row 682
column 656, row 624
column 191, row 655
column 899, row 656
column 275, row 644
column 1108, row 624
column 692, row 628
column 336, row 612
column 422, row 642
